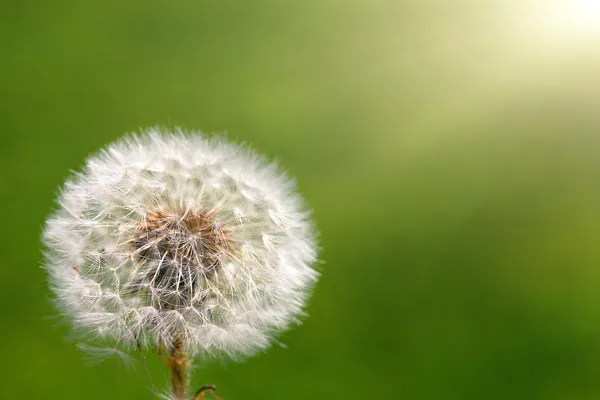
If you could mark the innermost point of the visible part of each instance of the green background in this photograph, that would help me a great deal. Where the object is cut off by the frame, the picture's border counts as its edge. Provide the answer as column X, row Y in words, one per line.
column 450, row 150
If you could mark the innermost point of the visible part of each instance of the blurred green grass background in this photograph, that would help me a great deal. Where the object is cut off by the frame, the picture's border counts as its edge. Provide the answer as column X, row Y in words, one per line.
column 448, row 148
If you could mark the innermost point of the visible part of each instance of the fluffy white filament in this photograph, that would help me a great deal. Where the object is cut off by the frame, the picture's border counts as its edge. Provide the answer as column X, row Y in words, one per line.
column 166, row 238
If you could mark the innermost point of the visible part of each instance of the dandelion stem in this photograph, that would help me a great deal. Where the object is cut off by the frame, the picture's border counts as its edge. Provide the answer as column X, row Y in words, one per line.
column 178, row 364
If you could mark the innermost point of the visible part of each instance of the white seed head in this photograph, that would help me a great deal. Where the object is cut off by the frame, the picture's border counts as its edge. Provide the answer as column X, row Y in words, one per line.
column 175, row 238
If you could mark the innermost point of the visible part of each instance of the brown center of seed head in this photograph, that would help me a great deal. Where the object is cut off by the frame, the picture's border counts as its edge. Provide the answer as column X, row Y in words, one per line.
column 183, row 249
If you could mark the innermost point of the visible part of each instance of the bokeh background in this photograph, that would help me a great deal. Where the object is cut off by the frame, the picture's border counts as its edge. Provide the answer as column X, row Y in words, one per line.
column 450, row 150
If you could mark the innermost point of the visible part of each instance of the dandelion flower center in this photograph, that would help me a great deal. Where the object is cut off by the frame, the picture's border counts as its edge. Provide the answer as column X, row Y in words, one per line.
column 182, row 249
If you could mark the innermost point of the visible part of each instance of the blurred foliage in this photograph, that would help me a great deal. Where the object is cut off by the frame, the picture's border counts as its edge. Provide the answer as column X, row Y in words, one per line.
column 449, row 150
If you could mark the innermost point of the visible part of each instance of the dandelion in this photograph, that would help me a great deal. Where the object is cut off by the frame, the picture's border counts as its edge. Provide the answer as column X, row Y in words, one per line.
column 182, row 244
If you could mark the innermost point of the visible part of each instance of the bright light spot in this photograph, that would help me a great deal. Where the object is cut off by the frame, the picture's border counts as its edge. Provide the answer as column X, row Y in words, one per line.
column 562, row 24
column 581, row 17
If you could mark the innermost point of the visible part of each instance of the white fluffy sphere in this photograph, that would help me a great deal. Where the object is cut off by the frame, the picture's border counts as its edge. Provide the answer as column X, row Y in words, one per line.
column 177, row 238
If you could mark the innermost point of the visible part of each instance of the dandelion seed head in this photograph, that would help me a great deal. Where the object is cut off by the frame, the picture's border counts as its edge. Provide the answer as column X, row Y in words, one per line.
column 175, row 237
column 96, row 355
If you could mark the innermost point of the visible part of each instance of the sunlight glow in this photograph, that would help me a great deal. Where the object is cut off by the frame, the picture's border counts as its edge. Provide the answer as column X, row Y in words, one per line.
column 579, row 17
